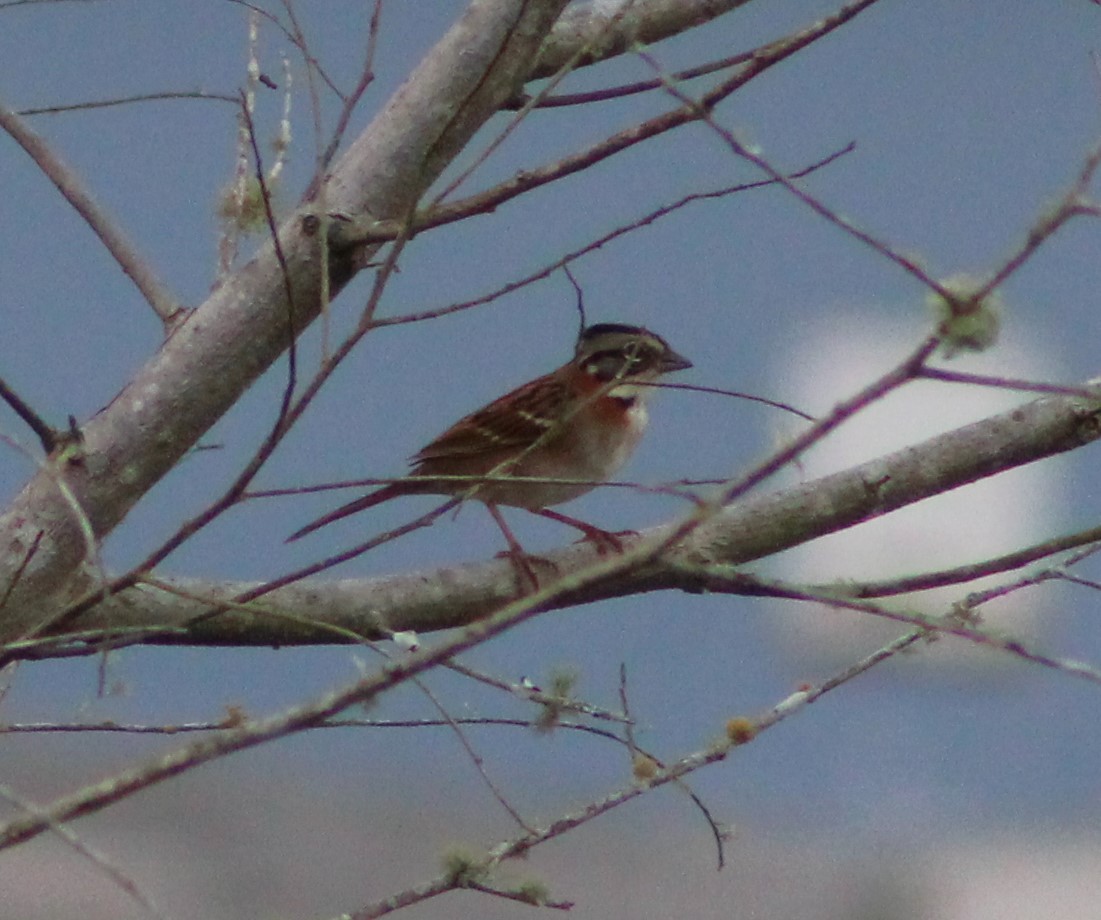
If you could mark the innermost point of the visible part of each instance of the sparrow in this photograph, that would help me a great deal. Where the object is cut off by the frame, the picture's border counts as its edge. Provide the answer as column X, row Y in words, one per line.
column 580, row 422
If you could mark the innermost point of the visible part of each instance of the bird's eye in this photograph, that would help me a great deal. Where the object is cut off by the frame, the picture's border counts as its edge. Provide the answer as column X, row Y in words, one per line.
column 629, row 358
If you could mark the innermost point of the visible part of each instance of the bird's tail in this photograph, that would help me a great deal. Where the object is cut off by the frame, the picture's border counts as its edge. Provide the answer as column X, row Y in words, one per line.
column 359, row 504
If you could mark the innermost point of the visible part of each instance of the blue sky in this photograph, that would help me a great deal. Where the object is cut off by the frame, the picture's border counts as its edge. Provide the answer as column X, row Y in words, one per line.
column 969, row 120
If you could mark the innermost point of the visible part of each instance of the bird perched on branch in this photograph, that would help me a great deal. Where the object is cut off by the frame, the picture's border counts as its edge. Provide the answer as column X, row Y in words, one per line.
column 580, row 423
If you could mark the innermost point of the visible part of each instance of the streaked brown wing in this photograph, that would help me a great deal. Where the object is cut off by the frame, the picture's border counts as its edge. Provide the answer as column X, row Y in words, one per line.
column 515, row 420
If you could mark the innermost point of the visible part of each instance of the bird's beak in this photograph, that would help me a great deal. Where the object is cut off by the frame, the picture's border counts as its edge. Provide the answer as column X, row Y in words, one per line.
column 674, row 362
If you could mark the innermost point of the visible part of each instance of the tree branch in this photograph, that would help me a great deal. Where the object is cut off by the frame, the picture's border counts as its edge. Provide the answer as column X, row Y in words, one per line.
column 751, row 529
column 103, row 226
column 525, row 181
column 585, row 27
column 226, row 343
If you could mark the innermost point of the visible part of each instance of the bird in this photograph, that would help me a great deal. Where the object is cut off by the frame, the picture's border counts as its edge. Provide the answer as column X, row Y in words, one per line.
column 581, row 422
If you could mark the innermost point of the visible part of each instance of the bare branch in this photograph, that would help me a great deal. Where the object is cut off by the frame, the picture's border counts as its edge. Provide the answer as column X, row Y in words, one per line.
column 761, row 60
column 584, row 28
column 227, row 723
column 297, row 718
column 567, row 67
column 129, row 100
column 47, row 436
column 965, row 573
column 1002, row 383
column 739, row 731
column 97, row 859
column 977, row 598
column 202, row 369
column 445, row 215
column 752, row 528
column 714, row 578
column 1075, row 203
column 560, row 100
column 67, row 182
column 366, row 77
column 295, row 38
column 704, row 107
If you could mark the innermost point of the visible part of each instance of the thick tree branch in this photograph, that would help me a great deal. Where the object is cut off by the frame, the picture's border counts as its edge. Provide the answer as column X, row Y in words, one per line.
column 225, row 344
column 751, row 529
column 487, row 200
column 583, row 26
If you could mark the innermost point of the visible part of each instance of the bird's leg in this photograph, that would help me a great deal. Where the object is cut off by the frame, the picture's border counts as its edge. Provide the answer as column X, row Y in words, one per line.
column 603, row 540
column 521, row 561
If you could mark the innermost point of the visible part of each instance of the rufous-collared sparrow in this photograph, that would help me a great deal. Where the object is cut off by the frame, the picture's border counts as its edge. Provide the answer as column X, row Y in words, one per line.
column 580, row 422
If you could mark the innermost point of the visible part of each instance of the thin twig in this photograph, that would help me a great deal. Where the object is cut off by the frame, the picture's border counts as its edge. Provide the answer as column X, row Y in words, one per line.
column 47, row 436
column 284, row 268
column 510, row 895
column 162, row 96
column 704, row 109
column 441, row 480
column 67, row 182
column 733, row 489
column 965, row 573
column 97, row 859
column 311, row 61
column 1003, row 383
column 715, row 578
column 636, row 753
column 736, row 394
column 229, row 722
column 533, row 694
column 366, row 78
column 631, row 89
column 977, row 598
column 550, row 269
column 622, row 10
column 471, row 752
column 1074, row 204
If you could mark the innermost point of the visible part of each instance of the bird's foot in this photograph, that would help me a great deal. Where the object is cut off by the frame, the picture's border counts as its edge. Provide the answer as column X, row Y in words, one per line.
column 605, row 541
column 526, row 576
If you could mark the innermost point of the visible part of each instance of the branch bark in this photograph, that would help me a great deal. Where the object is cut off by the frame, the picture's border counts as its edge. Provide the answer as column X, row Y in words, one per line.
column 227, row 342
column 587, row 26
column 751, row 529
column 87, row 488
